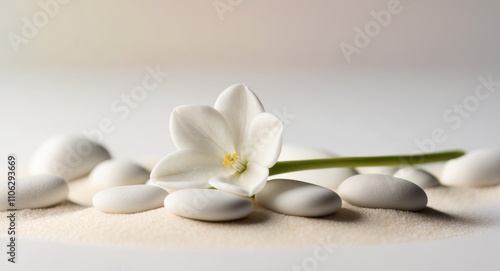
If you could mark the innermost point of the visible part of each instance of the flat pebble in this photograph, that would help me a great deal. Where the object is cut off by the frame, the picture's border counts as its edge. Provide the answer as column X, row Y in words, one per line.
column 109, row 173
column 383, row 191
column 417, row 176
column 208, row 205
column 435, row 169
column 476, row 168
column 67, row 156
column 129, row 199
column 330, row 178
column 384, row 170
column 36, row 191
column 298, row 198
column 118, row 172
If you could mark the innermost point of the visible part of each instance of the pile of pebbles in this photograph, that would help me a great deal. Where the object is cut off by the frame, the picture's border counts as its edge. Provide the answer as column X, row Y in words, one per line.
column 77, row 169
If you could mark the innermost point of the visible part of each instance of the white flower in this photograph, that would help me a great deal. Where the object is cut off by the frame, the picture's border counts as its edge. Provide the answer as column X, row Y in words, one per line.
column 230, row 147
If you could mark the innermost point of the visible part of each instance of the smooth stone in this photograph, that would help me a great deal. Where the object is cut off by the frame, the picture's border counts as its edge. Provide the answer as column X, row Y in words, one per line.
column 109, row 173
column 118, row 172
column 67, row 156
column 291, row 197
column 384, row 170
column 36, row 191
column 383, row 191
column 417, row 176
column 129, row 199
column 208, row 205
column 435, row 169
column 476, row 168
column 330, row 178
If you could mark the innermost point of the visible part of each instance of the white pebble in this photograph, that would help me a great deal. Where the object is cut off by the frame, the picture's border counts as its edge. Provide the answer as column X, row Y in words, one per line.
column 476, row 168
column 208, row 205
column 383, row 191
column 129, row 199
column 118, row 172
column 36, row 191
column 330, row 178
column 67, row 156
column 417, row 176
column 435, row 169
column 384, row 170
column 109, row 173
column 298, row 198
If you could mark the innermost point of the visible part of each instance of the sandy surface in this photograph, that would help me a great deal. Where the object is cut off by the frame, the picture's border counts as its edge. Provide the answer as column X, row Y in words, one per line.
column 451, row 212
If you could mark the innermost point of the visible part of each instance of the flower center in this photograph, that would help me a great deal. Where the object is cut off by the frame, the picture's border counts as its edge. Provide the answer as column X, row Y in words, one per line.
column 231, row 160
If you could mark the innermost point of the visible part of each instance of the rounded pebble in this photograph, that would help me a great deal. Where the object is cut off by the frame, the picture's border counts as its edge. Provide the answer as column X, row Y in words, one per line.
column 36, row 191
column 476, row 168
column 291, row 197
column 383, row 191
column 384, row 170
column 109, row 173
column 330, row 178
column 129, row 199
column 208, row 205
column 118, row 172
column 67, row 156
column 417, row 176
column 435, row 169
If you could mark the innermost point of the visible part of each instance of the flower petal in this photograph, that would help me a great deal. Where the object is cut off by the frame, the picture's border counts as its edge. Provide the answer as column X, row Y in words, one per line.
column 247, row 183
column 187, row 169
column 263, row 141
column 201, row 128
column 239, row 105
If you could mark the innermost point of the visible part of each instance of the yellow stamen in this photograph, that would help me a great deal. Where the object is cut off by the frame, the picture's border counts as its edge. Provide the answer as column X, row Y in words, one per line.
column 231, row 160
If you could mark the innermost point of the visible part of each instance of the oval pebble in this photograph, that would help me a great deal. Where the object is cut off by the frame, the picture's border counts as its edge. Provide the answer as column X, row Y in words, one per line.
column 330, row 178
column 109, row 173
column 208, row 205
column 476, row 168
column 384, row 170
column 67, row 156
column 36, row 191
column 435, row 169
column 298, row 198
column 383, row 191
column 129, row 199
column 417, row 176
column 118, row 172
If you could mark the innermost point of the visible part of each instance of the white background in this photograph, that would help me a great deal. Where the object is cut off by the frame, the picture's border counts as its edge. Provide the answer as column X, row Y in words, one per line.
column 387, row 99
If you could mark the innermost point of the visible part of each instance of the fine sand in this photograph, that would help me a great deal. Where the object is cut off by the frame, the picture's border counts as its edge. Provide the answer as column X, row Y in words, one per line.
column 450, row 212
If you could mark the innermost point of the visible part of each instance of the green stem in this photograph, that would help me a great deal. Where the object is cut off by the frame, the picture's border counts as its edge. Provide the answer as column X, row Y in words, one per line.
column 394, row 160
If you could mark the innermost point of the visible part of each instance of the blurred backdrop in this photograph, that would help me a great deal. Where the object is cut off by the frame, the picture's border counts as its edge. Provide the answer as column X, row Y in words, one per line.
column 353, row 77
